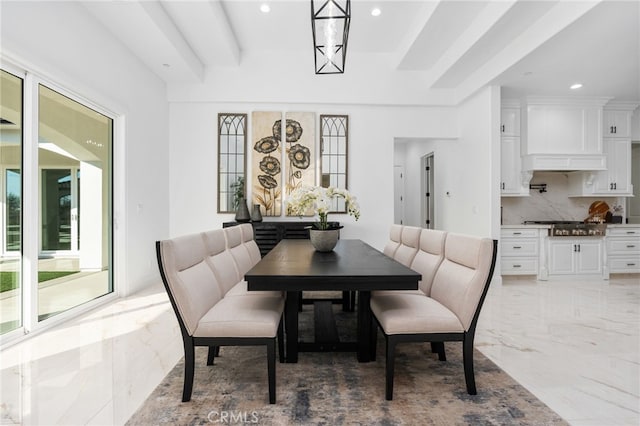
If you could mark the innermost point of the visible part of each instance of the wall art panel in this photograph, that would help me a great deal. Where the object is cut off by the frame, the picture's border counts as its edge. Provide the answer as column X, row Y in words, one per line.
column 266, row 155
column 300, row 151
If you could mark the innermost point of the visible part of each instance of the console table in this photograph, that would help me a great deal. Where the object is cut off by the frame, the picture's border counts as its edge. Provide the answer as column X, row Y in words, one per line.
column 269, row 233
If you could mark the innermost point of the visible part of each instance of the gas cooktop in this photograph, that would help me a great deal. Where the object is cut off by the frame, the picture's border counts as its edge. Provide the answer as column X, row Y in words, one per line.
column 552, row 222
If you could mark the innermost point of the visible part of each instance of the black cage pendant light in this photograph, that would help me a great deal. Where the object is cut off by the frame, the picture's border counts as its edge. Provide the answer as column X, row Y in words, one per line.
column 330, row 24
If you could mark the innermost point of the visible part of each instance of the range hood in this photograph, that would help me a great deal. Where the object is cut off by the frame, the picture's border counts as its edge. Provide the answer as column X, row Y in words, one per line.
column 564, row 162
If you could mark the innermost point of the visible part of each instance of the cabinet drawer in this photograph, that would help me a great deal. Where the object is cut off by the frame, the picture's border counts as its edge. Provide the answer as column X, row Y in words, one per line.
column 624, row 246
column 624, row 264
column 513, row 266
column 520, row 247
column 623, row 232
column 519, row 233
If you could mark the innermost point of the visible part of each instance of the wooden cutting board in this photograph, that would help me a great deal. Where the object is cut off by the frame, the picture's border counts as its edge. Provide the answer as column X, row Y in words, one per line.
column 597, row 209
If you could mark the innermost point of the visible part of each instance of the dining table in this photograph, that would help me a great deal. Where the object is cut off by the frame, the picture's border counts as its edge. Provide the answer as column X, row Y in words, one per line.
column 294, row 266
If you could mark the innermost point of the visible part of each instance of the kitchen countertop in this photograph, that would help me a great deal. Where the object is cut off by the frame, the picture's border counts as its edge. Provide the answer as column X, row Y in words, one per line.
column 537, row 226
column 534, row 226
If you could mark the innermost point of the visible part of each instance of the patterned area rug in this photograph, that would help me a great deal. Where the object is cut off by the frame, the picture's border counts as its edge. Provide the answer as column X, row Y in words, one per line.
column 334, row 389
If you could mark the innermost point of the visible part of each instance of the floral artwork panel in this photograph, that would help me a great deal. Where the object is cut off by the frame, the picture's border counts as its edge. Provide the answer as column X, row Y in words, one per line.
column 266, row 162
column 299, row 152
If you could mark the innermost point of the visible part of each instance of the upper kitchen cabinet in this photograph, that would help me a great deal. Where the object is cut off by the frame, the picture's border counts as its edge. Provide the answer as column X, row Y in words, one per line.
column 510, row 119
column 513, row 181
column 615, row 181
column 562, row 126
column 617, row 119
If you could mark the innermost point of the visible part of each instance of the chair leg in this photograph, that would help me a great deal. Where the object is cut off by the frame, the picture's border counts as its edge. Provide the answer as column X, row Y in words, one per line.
column 271, row 368
column 346, row 301
column 213, row 352
column 438, row 348
column 374, row 338
column 391, row 354
column 189, row 361
column 281, row 341
column 467, row 356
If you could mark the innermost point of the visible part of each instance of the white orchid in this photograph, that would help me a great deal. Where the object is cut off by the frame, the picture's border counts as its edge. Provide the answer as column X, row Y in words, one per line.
column 317, row 200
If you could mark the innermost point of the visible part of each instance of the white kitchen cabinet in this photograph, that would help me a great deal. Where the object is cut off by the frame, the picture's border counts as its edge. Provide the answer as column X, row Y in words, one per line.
column 510, row 121
column 519, row 251
column 623, row 250
column 575, row 256
column 512, row 181
column 617, row 123
column 615, row 181
column 563, row 129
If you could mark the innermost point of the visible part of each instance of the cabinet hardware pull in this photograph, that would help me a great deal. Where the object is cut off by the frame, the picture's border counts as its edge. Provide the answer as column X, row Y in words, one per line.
column 611, row 187
column 631, row 264
column 630, row 246
column 502, row 128
column 517, row 247
column 610, row 129
column 631, row 232
column 517, row 266
column 615, row 129
column 517, row 233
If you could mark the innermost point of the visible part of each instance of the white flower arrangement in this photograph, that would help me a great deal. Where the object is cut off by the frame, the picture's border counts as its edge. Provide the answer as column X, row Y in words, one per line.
column 316, row 200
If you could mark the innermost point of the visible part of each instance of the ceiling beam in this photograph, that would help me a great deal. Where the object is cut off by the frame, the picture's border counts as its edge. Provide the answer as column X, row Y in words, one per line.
column 490, row 15
column 167, row 27
column 413, row 33
column 229, row 37
column 558, row 18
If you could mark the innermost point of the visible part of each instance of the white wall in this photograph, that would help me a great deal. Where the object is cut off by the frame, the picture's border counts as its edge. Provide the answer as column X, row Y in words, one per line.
column 467, row 171
column 372, row 130
column 63, row 43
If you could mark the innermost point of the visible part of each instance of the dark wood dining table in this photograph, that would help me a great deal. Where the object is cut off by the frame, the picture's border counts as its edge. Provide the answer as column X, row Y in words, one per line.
column 294, row 266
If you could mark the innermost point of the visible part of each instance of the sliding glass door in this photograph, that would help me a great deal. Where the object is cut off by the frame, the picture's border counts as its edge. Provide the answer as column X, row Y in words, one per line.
column 11, row 88
column 74, row 160
column 55, row 166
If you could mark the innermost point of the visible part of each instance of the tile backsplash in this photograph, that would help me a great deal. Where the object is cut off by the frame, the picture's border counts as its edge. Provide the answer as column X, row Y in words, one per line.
column 551, row 205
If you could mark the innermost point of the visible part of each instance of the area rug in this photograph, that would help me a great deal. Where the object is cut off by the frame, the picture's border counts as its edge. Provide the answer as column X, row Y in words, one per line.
column 334, row 389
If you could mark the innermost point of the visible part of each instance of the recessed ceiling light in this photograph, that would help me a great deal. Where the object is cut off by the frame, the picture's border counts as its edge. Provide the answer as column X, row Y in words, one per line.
column 264, row 8
column 575, row 86
column 375, row 11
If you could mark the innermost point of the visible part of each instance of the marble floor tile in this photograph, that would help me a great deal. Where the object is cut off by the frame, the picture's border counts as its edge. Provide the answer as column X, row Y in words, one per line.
column 573, row 344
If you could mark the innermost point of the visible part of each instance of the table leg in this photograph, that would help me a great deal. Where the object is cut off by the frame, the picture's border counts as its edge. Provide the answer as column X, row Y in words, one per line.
column 364, row 326
column 291, row 325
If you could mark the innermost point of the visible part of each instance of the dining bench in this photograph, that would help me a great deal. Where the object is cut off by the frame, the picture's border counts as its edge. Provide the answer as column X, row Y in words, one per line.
column 456, row 271
column 203, row 276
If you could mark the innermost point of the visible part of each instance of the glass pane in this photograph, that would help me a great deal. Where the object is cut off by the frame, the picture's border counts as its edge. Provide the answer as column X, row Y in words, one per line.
column 333, row 137
column 10, row 178
column 74, row 265
column 232, row 141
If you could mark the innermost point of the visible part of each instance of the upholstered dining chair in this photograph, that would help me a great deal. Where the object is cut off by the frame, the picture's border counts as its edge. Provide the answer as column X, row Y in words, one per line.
column 206, row 317
column 449, row 313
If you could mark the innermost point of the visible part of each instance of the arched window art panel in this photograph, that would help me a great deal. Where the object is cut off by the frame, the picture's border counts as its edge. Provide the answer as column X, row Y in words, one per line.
column 299, row 157
column 334, row 136
column 232, row 143
column 266, row 182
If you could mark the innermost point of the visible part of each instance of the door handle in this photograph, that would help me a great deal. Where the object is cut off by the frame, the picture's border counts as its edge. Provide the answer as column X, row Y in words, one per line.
column 502, row 128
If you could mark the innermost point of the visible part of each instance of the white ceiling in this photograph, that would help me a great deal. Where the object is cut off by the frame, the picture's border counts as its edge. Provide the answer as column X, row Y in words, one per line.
column 528, row 47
